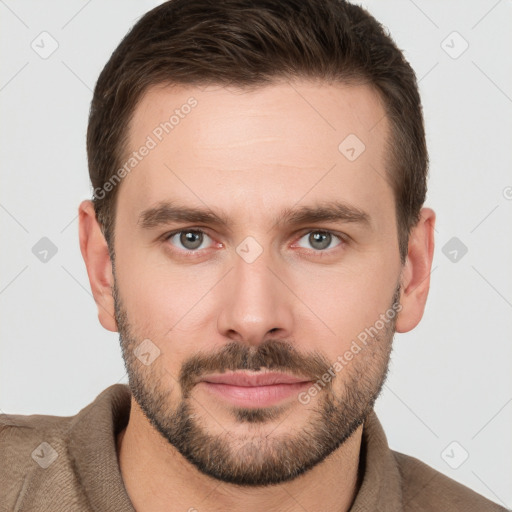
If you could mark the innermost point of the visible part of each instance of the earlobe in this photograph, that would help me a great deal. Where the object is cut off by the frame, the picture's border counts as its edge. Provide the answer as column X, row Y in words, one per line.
column 415, row 278
column 96, row 256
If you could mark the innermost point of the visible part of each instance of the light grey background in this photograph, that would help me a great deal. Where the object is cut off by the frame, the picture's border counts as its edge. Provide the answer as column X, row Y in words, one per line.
column 450, row 378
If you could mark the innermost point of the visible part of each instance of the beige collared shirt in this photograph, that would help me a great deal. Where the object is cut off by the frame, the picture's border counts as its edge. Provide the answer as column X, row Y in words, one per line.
column 53, row 463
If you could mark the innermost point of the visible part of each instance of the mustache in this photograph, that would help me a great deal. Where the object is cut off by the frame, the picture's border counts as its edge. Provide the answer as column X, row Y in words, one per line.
column 271, row 354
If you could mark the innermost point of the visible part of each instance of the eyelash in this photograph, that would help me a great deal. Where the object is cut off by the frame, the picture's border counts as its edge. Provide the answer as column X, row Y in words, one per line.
column 190, row 254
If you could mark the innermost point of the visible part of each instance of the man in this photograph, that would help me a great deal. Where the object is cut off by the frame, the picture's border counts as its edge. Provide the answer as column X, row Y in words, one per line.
column 256, row 236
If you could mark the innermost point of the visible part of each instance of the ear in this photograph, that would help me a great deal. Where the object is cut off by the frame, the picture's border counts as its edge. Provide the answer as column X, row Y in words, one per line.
column 95, row 253
column 415, row 277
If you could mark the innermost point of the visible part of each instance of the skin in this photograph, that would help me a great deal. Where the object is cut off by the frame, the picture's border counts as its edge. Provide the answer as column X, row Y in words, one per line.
column 250, row 154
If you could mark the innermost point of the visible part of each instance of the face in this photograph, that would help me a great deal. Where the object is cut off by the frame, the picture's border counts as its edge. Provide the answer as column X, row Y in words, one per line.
column 257, row 272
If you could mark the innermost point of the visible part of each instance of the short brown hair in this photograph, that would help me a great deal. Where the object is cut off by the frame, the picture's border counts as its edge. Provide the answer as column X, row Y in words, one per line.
column 251, row 43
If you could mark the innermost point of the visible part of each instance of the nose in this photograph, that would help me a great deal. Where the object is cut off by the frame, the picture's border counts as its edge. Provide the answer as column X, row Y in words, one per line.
column 256, row 302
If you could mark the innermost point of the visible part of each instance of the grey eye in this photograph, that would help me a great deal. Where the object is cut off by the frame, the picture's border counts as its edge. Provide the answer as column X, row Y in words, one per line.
column 190, row 239
column 319, row 240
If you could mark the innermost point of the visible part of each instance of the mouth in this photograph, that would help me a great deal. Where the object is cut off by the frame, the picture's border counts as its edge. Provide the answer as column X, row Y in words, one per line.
column 253, row 390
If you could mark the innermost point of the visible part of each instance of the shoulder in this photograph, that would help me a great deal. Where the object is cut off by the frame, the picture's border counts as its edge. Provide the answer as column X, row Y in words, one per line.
column 31, row 446
column 18, row 433
column 425, row 489
column 41, row 454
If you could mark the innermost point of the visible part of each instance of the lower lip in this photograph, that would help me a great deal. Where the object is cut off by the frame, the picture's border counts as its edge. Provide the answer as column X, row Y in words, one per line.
column 255, row 396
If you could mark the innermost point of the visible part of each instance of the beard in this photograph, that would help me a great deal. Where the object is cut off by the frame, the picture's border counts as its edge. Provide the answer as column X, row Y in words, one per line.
column 264, row 459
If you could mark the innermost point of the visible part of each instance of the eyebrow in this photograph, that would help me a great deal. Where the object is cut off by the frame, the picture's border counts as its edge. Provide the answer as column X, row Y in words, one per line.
column 167, row 212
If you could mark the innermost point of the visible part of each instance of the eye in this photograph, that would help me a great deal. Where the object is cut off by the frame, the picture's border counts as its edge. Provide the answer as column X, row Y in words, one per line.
column 321, row 240
column 190, row 239
column 193, row 240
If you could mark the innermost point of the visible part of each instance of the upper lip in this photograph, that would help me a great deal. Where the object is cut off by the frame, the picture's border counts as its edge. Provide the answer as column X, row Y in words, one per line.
column 253, row 379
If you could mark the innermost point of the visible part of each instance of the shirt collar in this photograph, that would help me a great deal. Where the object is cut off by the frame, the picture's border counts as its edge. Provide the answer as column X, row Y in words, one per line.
column 92, row 446
column 381, row 486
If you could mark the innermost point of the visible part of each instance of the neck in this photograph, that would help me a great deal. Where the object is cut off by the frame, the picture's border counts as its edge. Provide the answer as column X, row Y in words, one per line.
column 157, row 478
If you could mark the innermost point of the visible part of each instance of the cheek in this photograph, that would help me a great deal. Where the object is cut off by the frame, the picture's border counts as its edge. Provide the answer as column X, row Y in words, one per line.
column 336, row 306
column 165, row 299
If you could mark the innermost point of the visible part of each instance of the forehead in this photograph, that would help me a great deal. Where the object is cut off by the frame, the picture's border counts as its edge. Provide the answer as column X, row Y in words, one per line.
column 256, row 150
